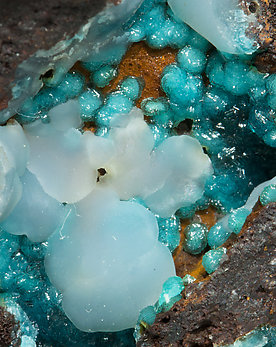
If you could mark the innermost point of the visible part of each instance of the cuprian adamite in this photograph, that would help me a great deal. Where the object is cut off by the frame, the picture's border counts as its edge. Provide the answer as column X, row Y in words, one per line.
column 89, row 220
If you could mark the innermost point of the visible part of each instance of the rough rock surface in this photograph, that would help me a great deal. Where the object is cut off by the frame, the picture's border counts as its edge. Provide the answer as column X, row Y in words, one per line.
column 264, row 32
column 8, row 329
column 237, row 298
column 29, row 25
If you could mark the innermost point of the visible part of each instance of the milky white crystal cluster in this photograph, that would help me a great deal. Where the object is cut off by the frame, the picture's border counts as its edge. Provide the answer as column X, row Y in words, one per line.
column 107, row 262
column 72, row 188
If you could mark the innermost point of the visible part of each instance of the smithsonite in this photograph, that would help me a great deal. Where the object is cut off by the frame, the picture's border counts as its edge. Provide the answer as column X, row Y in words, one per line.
column 107, row 262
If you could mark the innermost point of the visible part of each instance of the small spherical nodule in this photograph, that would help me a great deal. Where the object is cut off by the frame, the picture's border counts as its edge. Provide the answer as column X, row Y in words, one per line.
column 217, row 235
column 212, row 259
column 132, row 87
column 90, row 101
column 171, row 293
column 192, row 60
column 104, row 75
column 196, row 238
column 157, row 109
column 237, row 219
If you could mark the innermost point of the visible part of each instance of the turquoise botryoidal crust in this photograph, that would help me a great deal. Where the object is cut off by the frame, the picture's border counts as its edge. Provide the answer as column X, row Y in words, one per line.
column 268, row 195
column 229, row 107
column 171, row 293
column 212, row 259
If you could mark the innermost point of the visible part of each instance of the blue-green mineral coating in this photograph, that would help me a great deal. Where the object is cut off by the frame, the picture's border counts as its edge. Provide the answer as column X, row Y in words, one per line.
column 195, row 238
column 147, row 315
column 262, row 121
column 132, row 87
column 157, row 109
column 114, row 104
column 191, row 59
column 169, row 231
column 271, row 89
column 218, row 234
column 186, row 212
column 216, row 101
column 181, row 87
column 232, row 148
column 212, row 259
column 261, row 337
column 237, row 219
column 90, row 101
column 160, row 28
column 268, row 194
column 171, row 293
column 104, row 75
column 48, row 97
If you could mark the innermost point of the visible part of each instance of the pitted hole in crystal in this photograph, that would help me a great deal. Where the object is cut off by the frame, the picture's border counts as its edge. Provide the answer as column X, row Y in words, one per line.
column 47, row 75
column 253, row 6
column 101, row 172
column 184, row 127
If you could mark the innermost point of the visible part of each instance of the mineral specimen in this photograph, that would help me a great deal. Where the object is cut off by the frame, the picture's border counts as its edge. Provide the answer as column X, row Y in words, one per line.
column 129, row 179
column 224, row 307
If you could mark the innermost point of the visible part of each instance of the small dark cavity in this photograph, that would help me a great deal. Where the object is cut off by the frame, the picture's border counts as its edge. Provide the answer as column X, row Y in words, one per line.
column 184, row 127
column 48, row 74
column 166, row 319
column 205, row 150
column 205, row 79
column 101, row 172
column 260, row 289
column 253, row 6
column 205, row 324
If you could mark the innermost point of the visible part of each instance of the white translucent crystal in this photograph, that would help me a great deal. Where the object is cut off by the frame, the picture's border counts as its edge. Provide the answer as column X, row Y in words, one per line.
column 131, row 143
column 222, row 22
column 107, row 262
column 179, row 170
column 13, row 159
column 171, row 176
column 66, row 162
column 58, row 155
column 36, row 215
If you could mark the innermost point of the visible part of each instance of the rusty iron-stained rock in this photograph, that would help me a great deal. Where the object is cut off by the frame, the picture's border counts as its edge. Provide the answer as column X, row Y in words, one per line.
column 236, row 299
